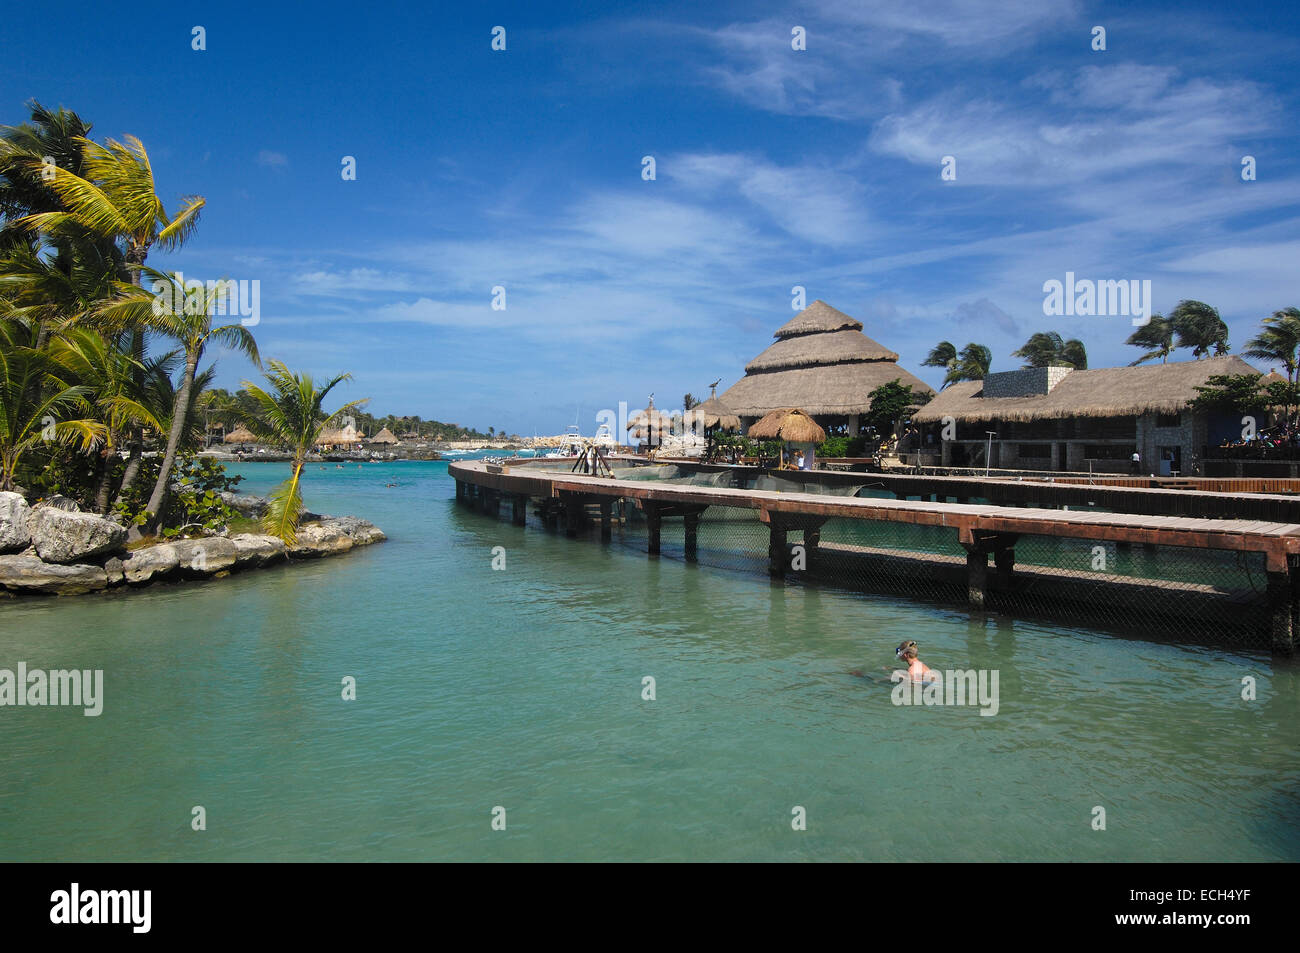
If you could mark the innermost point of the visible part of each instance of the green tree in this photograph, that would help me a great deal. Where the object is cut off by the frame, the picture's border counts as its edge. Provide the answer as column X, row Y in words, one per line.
column 892, row 403
column 290, row 413
column 37, row 405
column 1048, row 349
column 1278, row 340
column 1157, row 337
column 973, row 364
column 1199, row 328
column 1231, row 394
column 944, row 355
column 184, row 315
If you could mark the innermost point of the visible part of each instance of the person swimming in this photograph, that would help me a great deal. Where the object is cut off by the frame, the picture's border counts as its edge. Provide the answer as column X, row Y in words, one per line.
column 919, row 671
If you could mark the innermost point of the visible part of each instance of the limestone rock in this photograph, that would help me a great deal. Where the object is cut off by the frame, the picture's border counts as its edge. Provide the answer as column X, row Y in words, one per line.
column 29, row 574
column 68, row 536
column 115, row 570
column 14, row 512
column 254, row 549
column 203, row 557
column 145, row 565
column 250, row 506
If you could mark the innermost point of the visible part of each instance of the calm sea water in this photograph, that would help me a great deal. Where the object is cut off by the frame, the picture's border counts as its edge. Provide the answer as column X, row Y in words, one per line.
column 522, row 689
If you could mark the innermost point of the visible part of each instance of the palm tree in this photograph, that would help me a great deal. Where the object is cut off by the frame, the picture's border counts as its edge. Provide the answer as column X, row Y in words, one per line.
column 1049, row 349
column 1278, row 340
column 33, row 396
column 185, row 315
column 115, row 198
column 973, row 364
column 1157, row 336
column 1200, row 328
column 943, row 354
column 104, row 364
column 291, row 413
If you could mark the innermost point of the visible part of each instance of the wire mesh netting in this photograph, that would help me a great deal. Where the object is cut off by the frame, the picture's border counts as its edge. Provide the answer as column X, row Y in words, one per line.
column 1191, row 594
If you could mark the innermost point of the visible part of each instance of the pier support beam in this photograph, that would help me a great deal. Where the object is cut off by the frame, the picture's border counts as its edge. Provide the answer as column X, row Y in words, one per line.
column 691, row 522
column 652, row 522
column 575, row 516
column 979, row 546
column 460, row 491
column 776, row 555
column 519, row 511
column 1281, row 605
column 606, row 505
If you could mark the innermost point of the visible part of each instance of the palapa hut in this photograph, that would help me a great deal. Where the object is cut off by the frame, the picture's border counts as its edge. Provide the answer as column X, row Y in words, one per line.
column 241, row 434
column 710, row 417
column 823, row 363
column 1057, row 418
column 650, row 425
column 384, row 436
column 346, row 437
column 791, row 426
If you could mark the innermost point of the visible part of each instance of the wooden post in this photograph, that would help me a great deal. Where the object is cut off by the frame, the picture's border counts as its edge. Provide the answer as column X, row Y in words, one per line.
column 1280, row 601
column 519, row 513
column 977, row 572
column 776, row 548
column 1004, row 560
column 692, row 524
column 606, row 504
column 574, row 515
column 460, row 491
column 652, row 527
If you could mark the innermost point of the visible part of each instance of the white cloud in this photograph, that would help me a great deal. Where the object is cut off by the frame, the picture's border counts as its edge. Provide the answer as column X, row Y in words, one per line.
column 272, row 159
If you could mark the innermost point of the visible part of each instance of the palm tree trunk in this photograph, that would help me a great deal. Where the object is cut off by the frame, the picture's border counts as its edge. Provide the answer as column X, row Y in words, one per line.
column 158, row 499
column 105, row 485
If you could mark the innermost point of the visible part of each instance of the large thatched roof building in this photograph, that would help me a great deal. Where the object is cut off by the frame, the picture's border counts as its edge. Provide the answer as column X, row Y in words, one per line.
column 821, row 363
column 1056, row 418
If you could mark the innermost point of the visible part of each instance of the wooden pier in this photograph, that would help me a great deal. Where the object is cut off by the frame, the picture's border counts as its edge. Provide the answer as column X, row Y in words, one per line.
column 985, row 531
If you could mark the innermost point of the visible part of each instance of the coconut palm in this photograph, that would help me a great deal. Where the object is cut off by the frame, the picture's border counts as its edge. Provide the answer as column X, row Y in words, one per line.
column 104, row 364
column 1049, row 349
column 37, row 405
column 290, row 413
column 183, row 314
column 1157, row 336
column 973, row 364
column 1200, row 328
column 943, row 354
column 114, row 197
column 1278, row 340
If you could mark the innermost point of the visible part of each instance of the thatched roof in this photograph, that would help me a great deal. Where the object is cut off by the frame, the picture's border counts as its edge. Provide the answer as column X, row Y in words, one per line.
column 822, row 362
column 1100, row 392
column 334, row 437
column 241, row 434
column 712, row 413
column 829, row 347
column 817, row 317
column 837, row 389
column 384, row 436
column 649, row 419
column 788, row 424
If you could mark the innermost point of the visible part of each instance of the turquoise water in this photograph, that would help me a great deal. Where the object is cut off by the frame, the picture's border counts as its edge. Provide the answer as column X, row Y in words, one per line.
column 522, row 688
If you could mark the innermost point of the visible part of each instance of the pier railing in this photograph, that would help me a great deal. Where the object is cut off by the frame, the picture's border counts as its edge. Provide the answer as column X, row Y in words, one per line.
column 1195, row 579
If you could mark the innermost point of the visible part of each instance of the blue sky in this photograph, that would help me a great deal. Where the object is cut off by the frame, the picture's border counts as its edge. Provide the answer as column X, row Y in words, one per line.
column 775, row 168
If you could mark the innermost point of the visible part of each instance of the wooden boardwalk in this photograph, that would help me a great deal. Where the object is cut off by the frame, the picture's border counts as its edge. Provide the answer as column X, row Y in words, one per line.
column 984, row 530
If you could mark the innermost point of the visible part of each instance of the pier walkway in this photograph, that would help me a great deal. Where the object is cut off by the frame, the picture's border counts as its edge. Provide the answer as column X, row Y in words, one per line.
column 984, row 531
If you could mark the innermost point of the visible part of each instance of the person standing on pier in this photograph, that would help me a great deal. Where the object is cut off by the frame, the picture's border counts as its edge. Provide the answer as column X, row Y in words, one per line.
column 1136, row 462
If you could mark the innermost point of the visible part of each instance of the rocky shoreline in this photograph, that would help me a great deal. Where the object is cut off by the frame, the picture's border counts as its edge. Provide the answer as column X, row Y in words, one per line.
column 53, row 548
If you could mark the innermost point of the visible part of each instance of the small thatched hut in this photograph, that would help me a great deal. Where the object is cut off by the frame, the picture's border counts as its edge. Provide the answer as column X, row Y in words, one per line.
column 384, row 436
column 346, row 437
column 650, row 425
column 712, row 415
column 823, row 363
column 1056, row 418
column 241, row 434
column 790, row 426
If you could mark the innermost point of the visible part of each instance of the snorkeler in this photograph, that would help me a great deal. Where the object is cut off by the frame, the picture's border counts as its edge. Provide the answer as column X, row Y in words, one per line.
column 919, row 671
